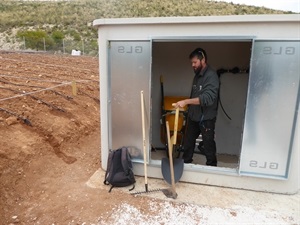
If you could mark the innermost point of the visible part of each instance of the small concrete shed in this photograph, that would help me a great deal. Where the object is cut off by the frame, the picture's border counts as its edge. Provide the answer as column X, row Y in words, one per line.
column 257, row 129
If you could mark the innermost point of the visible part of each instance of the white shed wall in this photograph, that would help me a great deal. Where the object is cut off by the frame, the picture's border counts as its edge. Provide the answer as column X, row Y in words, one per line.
column 261, row 27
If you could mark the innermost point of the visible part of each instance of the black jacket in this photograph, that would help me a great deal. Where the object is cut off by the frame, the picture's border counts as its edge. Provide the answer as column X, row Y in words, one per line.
column 206, row 88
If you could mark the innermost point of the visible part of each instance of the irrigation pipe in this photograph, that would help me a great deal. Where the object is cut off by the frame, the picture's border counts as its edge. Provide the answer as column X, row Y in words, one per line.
column 36, row 98
column 29, row 93
column 34, row 86
column 45, row 89
column 94, row 98
column 25, row 120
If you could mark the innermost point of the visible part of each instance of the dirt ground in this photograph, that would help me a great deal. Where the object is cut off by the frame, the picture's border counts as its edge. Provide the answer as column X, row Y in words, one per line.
column 50, row 149
column 50, row 140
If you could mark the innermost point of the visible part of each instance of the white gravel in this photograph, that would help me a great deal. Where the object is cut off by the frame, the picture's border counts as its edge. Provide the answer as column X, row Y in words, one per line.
column 202, row 205
column 175, row 214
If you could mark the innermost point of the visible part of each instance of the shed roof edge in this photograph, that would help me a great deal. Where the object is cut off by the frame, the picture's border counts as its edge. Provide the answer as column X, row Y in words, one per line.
column 199, row 19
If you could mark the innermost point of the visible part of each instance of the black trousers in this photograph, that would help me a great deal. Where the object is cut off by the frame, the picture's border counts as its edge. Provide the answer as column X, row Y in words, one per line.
column 193, row 130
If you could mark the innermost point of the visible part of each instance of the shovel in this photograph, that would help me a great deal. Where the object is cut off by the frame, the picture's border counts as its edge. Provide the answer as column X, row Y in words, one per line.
column 171, row 192
column 177, row 163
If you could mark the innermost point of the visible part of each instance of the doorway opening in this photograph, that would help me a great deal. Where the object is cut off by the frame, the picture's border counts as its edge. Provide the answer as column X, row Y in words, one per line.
column 231, row 59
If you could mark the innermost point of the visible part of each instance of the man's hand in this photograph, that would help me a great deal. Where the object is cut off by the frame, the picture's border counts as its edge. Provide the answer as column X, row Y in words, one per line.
column 180, row 104
column 190, row 101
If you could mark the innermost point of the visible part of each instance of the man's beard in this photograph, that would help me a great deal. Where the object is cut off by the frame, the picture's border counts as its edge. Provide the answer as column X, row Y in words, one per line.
column 197, row 70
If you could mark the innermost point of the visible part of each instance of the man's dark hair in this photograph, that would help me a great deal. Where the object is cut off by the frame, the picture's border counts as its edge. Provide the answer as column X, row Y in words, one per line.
column 199, row 53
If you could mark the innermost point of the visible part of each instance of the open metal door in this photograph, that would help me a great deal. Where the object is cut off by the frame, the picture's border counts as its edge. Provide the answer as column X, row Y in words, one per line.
column 271, row 110
column 129, row 69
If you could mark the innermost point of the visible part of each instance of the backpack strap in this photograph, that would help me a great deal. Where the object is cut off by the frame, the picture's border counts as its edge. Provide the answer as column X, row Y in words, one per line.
column 109, row 161
column 133, row 186
column 124, row 159
column 111, row 188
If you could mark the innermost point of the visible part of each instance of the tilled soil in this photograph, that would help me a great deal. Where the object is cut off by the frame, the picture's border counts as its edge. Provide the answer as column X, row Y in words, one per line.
column 50, row 140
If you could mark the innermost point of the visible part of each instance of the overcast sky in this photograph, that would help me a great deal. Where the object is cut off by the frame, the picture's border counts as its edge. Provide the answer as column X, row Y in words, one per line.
column 287, row 5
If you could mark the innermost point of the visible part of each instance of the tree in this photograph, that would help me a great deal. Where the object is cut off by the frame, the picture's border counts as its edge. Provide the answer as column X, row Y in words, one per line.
column 58, row 37
column 36, row 39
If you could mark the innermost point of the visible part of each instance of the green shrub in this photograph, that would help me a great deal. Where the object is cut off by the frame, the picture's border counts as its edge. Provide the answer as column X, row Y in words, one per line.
column 38, row 40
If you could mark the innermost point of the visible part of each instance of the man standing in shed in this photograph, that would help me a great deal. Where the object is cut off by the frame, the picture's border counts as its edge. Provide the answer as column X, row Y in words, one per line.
column 202, row 109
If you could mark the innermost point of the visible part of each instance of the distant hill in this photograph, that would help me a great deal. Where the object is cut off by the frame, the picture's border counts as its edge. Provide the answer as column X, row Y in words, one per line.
column 73, row 19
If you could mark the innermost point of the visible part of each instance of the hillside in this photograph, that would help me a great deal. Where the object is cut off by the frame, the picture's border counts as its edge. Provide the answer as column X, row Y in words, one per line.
column 50, row 22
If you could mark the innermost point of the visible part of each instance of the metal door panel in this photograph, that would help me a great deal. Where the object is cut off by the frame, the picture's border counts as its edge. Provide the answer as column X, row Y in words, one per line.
column 271, row 110
column 129, row 74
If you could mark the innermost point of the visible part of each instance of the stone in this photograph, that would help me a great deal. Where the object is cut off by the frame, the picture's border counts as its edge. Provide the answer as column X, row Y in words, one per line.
column 11, row 120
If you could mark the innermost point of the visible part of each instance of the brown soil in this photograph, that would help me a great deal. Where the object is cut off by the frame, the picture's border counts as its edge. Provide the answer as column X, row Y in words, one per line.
column 50, row 148
column 50, row 141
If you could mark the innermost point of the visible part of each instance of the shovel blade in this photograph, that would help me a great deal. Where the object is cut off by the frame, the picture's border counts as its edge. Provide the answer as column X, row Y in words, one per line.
column 166, row 172
column 170, row 193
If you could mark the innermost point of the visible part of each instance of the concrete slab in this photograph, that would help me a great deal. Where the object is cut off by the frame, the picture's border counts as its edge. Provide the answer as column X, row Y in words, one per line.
column 269, row 207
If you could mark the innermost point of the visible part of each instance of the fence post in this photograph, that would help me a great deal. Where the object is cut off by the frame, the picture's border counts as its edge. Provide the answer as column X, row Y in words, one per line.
column 82, row 47
column 44, row 44
column 74, row 88
column 24, row 42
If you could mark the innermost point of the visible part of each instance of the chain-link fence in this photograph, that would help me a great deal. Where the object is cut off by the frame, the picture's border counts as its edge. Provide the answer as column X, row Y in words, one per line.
column 64, row 46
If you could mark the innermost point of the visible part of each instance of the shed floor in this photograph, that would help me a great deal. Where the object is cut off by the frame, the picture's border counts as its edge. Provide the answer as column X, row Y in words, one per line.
column 224, row 160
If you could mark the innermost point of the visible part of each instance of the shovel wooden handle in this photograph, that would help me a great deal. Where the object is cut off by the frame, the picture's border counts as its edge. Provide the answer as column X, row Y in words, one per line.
column 170, row 148
column 176, row 126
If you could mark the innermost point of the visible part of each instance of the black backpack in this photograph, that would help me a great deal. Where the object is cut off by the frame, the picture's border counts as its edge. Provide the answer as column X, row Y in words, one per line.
column 119, row 169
